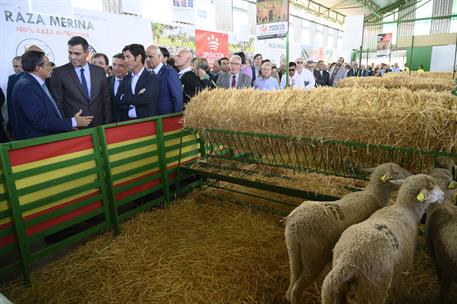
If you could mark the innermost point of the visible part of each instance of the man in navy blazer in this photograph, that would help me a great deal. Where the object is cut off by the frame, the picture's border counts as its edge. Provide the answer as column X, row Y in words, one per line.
column 170, row 93
column 138, row 92
column 36, row 113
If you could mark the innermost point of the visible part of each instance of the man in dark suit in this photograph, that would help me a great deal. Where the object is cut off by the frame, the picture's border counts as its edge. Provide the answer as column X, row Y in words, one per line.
column 170, row 98
column 354, row 70
column 191, row 85
column 120, row 71
column 34, row 108
column 256, row 67
column 321, row 75
column 139, row 90
column 80, row 85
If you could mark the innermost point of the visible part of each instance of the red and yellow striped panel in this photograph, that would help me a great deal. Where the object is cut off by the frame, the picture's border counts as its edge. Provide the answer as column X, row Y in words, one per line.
column 129, row 134
column 39, row 156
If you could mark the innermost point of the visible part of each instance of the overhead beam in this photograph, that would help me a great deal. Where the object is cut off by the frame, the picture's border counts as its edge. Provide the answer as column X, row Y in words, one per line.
column 319, row 10
column 372, row 7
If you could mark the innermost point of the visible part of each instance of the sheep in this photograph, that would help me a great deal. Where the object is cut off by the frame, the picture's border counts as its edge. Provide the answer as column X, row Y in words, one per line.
column 370, row 256
column 441, row 233
column 313, row 228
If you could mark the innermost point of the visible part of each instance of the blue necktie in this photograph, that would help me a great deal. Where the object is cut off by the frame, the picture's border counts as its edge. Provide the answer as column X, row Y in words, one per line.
column 84, row 84
column 45, row 88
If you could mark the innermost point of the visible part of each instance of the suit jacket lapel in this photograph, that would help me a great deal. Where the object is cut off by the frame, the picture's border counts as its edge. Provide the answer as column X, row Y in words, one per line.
column 92, row 87
column 74, row 76
column 140, row 81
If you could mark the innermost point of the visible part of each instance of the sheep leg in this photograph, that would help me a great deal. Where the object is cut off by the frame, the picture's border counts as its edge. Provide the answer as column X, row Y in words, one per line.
column 313, row 262
column 372, row 293
column 445, row 285
column 293, row 248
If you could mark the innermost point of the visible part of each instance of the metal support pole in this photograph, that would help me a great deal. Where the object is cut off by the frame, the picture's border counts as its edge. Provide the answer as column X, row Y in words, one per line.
column 361, row 48
column 287, row 46
column 411, row 59
column 455, row 54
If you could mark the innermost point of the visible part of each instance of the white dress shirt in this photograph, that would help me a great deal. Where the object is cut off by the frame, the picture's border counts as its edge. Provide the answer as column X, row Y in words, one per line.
column 184, row 71
column 157, row 68
column 135, row 77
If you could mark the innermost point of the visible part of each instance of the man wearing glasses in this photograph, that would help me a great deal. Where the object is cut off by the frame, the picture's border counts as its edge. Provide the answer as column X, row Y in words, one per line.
column 304, row 77
column 292, row 77
column 36, row 112
column 234, row 79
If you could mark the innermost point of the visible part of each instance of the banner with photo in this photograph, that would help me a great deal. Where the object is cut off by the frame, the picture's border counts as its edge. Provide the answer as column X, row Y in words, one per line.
column 384, row 44
column 211, row 45
column 272, row 18
column 173, row 37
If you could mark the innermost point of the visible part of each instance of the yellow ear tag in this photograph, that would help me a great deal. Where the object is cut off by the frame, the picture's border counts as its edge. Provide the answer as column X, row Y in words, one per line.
column 384, row 177
column 421, row 196
column 451, row 186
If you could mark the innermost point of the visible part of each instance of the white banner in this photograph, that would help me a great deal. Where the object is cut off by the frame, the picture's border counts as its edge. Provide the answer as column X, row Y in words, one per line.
column 106, row 33
column 353, row 32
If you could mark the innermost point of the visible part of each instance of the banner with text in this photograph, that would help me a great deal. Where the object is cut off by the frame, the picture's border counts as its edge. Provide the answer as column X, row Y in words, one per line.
column 106, row 33
column 272, row 18
column 211, row 45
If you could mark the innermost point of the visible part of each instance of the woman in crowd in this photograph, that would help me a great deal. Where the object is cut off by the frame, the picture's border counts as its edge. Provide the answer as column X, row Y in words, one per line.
column 202, row 70
column 266, row 82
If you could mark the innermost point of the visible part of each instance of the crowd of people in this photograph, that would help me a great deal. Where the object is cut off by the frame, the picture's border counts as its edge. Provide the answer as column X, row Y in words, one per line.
column 43, row 99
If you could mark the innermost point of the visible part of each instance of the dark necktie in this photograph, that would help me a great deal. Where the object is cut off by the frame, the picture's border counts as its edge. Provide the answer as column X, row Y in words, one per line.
column 84, row 84
column 233, row 81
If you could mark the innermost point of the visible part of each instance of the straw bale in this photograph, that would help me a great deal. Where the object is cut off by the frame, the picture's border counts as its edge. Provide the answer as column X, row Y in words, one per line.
column 397, row 117
column 411, row 83
column 199, row 250
column 443, row 75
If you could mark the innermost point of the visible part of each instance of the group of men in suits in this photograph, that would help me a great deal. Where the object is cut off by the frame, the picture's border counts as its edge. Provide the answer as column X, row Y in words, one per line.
column 79, row 94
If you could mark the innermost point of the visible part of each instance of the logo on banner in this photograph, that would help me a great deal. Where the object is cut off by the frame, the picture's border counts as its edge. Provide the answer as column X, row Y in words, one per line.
column 91, row 50
column 213, row 43
column 26, row 43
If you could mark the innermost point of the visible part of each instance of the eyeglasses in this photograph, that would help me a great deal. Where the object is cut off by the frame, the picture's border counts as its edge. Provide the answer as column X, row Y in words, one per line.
column 235, row 63
column 299, row 62
column 291, row 70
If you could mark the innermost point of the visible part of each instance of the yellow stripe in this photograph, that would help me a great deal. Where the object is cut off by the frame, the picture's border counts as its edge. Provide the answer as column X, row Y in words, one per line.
column 64, row 200
column 183, row 160
column 51, row 160
column 136, row 175
column 176, row 141
column 6, row 220
column 2, row 188
column 31, row 197
column 130, row 153
column 172, row 132
column 183, row 150
column 3, row 206
column 47, row 176
column 132, row 141
column 135, row 164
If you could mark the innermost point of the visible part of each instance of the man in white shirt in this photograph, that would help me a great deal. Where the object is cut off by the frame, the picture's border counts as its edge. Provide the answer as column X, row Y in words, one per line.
column 304, row 77
column 292, row 76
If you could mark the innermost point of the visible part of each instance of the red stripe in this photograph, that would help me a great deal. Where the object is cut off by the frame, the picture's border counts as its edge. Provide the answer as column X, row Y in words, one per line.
column 172, row 123
column 137, row 189
column 136, row 178
column 44, row 151
column 6, row 225
column 7, row 240
column 74, row 201
column 129, row 132
column 63, row 218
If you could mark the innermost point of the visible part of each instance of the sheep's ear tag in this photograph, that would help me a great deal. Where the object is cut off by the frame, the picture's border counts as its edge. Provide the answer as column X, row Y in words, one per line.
column 451, row 186
column 385, row 178
column 421, row 197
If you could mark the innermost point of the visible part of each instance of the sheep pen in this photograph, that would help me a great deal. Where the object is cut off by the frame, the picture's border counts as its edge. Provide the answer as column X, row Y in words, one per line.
column 199, row 250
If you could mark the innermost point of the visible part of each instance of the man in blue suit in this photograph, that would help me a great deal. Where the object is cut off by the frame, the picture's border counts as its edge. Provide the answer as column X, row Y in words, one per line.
column 36, row 113
column 170, row 93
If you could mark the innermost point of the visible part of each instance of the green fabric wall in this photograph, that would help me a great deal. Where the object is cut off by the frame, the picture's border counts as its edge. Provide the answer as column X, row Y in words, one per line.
column 420, row 55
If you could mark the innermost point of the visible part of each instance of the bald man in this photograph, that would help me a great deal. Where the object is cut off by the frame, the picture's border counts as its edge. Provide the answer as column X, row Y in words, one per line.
column 190, row 82
column 170, row 98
